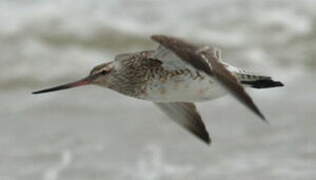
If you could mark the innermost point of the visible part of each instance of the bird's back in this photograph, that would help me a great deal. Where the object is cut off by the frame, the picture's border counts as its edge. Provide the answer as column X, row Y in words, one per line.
column 154, row 82
column 142, row 76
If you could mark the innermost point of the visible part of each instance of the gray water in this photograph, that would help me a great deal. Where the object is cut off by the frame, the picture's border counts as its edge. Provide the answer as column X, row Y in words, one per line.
column 94, row 133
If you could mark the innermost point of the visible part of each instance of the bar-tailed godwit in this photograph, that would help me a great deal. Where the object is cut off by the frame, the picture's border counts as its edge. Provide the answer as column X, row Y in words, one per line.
column 174, row 76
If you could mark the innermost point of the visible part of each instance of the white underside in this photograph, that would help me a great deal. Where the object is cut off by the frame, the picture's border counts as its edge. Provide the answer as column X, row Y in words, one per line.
column 183, row 89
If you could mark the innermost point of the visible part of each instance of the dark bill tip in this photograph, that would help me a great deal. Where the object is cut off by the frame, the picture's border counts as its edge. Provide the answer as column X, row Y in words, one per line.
column 85, row 81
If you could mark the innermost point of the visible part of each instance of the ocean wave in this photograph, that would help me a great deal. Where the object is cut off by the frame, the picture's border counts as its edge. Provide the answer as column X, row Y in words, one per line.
column 53, row 173
column 152, row 166
column 60, row 40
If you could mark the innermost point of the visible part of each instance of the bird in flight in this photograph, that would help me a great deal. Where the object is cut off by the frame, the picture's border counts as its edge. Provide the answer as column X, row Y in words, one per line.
column 175, row 76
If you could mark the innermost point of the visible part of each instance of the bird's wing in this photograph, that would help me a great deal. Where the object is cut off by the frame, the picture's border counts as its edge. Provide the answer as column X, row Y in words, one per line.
column 170, row 61
column 186, row 115
column 205, row 59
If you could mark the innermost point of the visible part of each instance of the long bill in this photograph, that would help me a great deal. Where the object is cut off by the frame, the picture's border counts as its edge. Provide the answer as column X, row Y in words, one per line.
column 82, row 82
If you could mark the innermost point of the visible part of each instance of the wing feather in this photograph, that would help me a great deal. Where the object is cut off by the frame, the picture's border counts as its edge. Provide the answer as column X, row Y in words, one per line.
column 186, row 115
column 207, row 59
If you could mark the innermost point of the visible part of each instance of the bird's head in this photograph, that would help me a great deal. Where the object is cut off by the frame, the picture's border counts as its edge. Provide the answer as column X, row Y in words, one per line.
column 98, row 76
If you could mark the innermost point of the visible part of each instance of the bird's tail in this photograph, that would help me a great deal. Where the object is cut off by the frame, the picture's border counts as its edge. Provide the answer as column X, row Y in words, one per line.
column 267, row 83
column 252, row 79
column 258, row 81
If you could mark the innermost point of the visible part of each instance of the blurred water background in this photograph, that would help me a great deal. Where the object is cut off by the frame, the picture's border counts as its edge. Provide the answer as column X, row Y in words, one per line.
column 94, row 133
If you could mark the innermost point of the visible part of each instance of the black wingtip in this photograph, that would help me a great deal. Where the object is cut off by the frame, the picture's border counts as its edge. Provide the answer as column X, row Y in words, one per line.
column 204, row 136
column 256, row 110
column 263, row 118
column 208, row 142
column 206, row 139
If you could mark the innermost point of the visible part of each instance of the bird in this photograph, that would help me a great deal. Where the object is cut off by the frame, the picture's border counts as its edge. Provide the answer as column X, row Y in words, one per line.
column 175, row 76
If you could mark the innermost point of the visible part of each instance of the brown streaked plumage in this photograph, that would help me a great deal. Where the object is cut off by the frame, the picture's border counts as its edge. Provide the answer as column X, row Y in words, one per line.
column 174, row 76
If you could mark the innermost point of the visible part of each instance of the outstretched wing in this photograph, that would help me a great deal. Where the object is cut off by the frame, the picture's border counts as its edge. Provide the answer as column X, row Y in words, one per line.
column 186, row 115
column 231, row 83
column 170, row 61
column 205, row 59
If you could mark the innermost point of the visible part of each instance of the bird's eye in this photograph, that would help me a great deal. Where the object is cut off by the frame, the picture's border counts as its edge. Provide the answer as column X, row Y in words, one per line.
column 103, row 72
